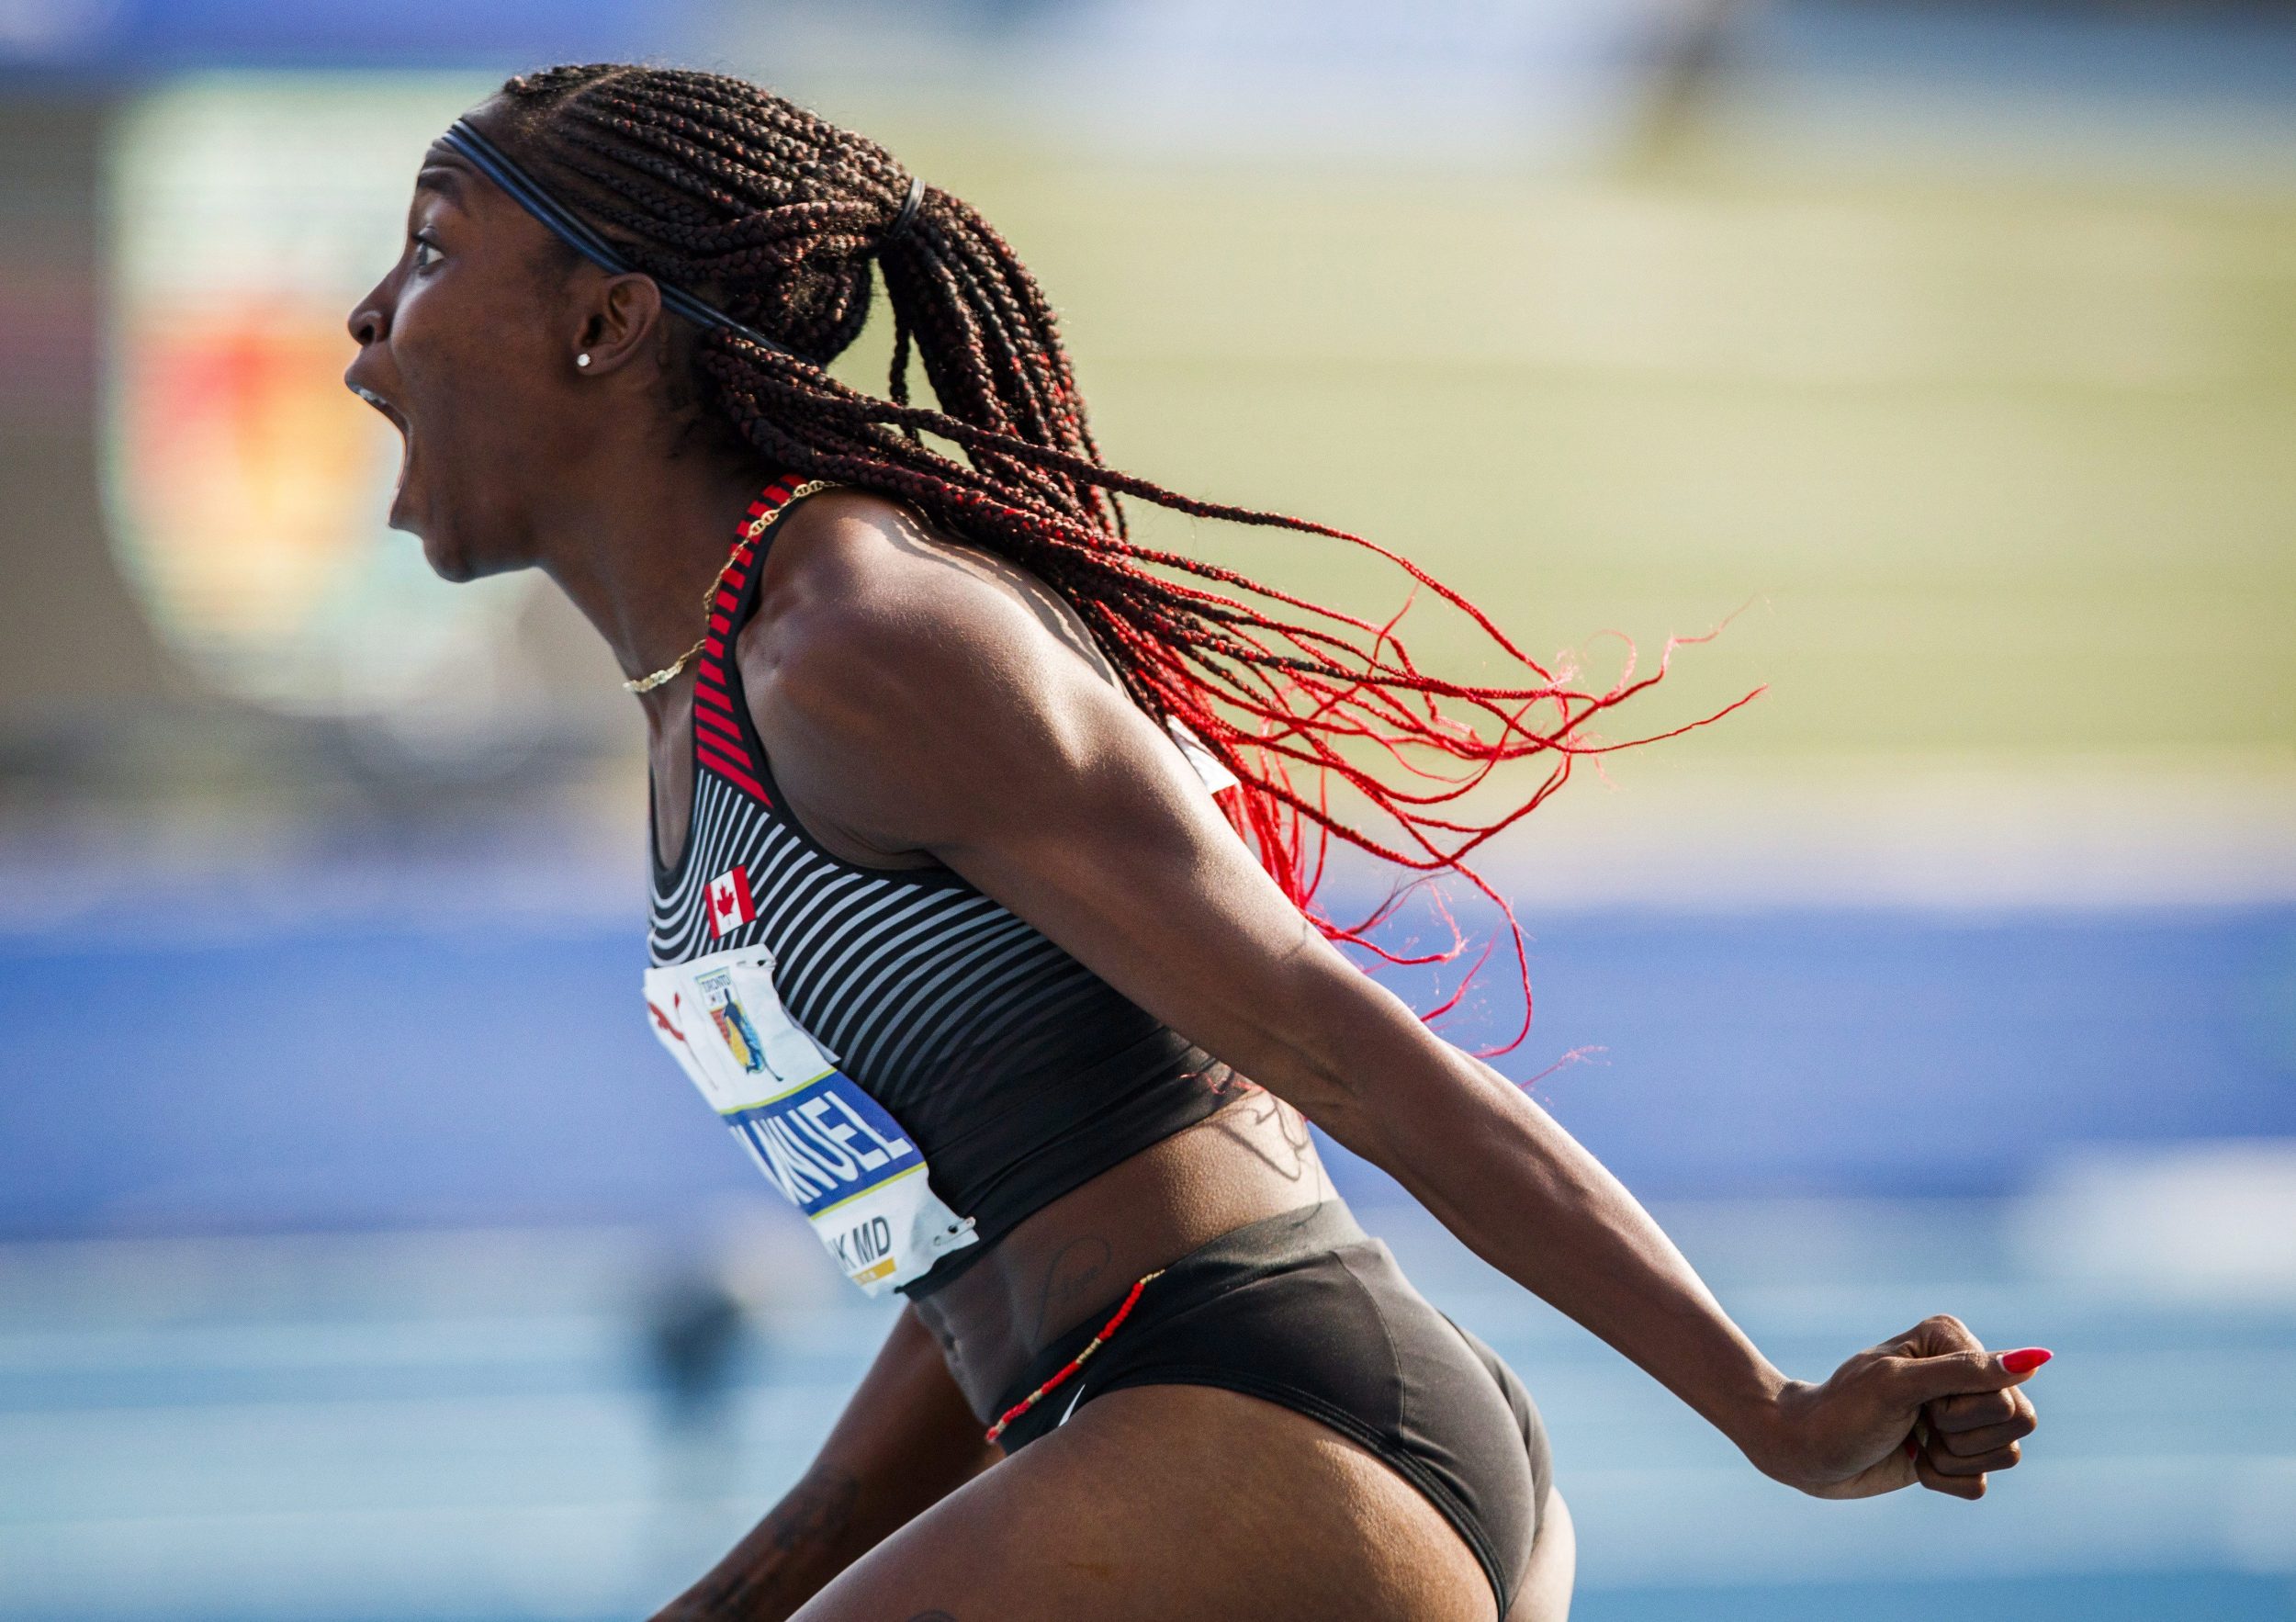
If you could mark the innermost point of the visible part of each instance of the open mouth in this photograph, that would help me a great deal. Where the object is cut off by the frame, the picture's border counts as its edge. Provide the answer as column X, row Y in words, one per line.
column 397, row 420
column 380, row 404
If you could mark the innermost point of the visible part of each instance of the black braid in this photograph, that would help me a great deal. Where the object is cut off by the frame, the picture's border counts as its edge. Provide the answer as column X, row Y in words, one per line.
column 781, row 220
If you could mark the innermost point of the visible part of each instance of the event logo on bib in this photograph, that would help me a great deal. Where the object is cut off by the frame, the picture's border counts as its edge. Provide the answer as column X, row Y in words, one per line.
column 741, row 1037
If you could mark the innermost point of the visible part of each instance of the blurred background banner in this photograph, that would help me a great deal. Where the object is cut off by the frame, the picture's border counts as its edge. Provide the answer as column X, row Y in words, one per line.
column 359, row 1257
column 247, row 213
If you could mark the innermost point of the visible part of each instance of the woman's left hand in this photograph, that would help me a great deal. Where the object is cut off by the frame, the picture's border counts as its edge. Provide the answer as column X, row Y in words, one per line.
column 1931, row 1406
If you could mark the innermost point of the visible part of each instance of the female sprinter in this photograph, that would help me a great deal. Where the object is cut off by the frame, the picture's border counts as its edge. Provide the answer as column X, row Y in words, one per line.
column 980, row 882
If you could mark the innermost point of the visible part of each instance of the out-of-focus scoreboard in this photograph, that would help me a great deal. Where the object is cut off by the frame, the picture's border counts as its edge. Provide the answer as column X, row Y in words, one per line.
column 255, row 173
column 246, row 487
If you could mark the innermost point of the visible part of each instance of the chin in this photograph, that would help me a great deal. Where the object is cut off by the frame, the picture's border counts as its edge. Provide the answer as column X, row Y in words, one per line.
column 449, row 562
column 452, row 560
column 448, row 547
column 447, row 559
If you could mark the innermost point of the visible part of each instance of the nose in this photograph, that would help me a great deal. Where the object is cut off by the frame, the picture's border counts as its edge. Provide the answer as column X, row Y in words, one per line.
column 370, row 319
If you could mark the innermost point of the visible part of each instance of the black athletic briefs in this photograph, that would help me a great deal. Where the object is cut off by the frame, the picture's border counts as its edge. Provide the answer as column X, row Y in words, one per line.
column 1307, row 1311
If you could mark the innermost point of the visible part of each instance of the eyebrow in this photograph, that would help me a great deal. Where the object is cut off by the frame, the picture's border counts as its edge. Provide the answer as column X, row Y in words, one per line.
column 441, row 177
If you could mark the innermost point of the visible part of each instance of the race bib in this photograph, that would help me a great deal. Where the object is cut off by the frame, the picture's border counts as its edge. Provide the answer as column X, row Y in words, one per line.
column 825, row 1143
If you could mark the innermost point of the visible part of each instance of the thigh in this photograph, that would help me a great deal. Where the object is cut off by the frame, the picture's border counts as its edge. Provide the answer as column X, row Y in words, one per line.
column 1158, row 1502
column 1545, row 1595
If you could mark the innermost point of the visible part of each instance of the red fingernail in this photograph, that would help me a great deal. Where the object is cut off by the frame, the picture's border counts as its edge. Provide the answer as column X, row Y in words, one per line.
column 1913, row 1448
column 2026, row 1361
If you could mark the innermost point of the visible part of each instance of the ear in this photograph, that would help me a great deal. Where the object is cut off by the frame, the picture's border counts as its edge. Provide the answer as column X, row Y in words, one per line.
column 617, row 322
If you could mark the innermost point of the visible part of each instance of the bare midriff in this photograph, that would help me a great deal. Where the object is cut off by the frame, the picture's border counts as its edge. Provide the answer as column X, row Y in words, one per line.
column 1080, row 1255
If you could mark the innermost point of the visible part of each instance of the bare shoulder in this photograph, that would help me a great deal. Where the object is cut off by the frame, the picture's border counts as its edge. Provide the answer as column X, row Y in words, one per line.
column 853, row 551
column 866, row 611
column 902, row 681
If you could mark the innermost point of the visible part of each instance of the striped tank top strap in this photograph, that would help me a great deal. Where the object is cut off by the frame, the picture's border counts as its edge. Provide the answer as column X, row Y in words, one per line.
column 722, row 738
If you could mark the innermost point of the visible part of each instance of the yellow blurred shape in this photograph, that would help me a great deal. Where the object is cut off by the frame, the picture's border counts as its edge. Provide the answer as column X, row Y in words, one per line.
column 260, row 462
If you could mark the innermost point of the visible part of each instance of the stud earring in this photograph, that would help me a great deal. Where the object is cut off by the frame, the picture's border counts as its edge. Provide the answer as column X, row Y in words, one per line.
column 582, row 359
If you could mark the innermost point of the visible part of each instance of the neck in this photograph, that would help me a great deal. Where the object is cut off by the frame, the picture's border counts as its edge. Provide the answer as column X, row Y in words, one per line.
column 639, row 553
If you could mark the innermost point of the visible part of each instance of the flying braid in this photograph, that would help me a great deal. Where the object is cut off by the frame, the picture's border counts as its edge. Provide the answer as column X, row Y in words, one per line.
column 777, row 217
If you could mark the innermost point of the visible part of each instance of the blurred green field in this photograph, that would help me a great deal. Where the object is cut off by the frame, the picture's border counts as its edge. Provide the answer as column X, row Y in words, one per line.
column 2002, row 469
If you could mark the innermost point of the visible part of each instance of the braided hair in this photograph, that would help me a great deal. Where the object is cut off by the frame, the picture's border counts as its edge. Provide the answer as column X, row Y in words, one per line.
column 781, row 220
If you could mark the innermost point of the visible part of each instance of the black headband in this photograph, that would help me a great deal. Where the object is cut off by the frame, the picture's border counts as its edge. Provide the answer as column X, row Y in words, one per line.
column 494, row 163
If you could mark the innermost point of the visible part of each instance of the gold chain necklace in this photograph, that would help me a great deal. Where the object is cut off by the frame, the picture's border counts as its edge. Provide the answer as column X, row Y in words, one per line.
column 750, row 534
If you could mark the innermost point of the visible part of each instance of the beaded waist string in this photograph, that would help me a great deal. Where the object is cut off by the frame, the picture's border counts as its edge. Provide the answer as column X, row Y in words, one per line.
column 1067, row 1370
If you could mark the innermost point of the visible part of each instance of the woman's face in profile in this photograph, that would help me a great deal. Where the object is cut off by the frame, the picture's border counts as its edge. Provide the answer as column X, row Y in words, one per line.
column 462, row 348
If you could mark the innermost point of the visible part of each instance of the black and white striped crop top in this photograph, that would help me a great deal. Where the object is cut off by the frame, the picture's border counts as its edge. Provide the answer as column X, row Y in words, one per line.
column 1016, row 1071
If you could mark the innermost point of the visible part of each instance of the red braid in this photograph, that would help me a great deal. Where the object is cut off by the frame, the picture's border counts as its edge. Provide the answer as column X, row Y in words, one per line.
column 781, row 219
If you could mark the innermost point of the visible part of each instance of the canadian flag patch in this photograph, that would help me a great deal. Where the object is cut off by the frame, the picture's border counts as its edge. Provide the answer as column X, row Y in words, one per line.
column 730, row 906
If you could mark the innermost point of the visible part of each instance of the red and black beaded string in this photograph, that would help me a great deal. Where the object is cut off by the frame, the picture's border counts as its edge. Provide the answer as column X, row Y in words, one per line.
column 1067, row 1370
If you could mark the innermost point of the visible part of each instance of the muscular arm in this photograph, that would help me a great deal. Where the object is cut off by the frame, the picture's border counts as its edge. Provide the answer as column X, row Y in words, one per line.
column 918, row 701
column 906, row 1441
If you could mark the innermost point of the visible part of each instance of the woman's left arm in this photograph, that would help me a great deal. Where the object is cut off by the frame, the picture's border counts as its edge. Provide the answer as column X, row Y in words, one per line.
column 1166, row 902
column 961, row 728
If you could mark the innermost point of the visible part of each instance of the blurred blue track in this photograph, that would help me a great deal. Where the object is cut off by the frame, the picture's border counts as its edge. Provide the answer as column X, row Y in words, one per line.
column 2027, row 1599
column 465, row 1427
column 334, row 1415
column 393, row 1069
